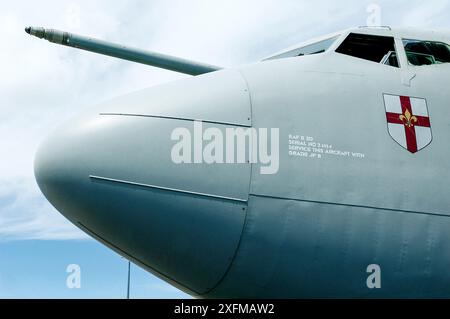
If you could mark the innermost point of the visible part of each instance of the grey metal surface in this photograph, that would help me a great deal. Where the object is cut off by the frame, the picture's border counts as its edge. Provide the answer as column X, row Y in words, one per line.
column 190, row 205
column 225, row 230
column 315, row 250
column 347, row 112
column 221, row 98
column 122, row 52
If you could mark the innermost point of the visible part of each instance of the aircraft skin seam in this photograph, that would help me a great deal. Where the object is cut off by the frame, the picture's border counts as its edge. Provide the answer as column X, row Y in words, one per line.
column 192, row 193
column 173, row 118
column 351, row 205
column 250, row 101
column 244, row 225
column 118, row 181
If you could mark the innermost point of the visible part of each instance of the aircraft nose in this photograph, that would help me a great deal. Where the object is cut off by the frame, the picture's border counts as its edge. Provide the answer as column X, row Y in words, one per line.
column 55, row 170
column 111, row 172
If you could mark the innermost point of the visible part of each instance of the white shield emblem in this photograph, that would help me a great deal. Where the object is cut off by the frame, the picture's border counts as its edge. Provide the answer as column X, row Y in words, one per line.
column 408, row 121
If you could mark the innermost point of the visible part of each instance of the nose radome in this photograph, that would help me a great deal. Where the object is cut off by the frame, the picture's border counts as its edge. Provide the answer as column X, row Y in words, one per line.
column 111, row 173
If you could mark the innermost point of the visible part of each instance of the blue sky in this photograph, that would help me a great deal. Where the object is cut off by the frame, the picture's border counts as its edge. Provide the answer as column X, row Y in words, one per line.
column 43, row 84
column 38, row 269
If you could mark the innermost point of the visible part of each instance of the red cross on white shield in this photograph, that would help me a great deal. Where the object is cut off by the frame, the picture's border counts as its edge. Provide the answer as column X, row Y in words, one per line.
column 408, row 121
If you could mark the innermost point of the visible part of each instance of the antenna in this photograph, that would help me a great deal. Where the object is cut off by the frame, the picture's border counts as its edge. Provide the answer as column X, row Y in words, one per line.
column 158, row 60
column 128, row 283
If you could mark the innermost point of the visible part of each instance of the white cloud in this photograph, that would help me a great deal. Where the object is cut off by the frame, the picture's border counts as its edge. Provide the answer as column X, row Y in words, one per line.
column 42, row 84
column 427, row 14
column 25, row 214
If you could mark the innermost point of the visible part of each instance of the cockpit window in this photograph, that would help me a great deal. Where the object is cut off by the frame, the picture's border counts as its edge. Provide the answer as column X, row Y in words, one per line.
column 314, row 48
column 373, row 48
column 426, row 52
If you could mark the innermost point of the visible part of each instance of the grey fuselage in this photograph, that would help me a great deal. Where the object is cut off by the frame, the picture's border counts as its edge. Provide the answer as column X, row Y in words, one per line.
column 228, row 231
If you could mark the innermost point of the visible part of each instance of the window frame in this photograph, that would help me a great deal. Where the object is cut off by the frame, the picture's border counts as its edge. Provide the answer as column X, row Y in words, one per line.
column 290, row 53
column 412, row 66
column 399, row 49
column 332, row 40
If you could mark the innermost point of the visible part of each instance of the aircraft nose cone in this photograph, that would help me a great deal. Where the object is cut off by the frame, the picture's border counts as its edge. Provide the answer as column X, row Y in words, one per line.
column 112, row 174
column 58, row 170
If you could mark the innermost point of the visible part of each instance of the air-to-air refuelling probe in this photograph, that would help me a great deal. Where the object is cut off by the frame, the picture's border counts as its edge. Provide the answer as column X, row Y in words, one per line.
column 321, row 171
